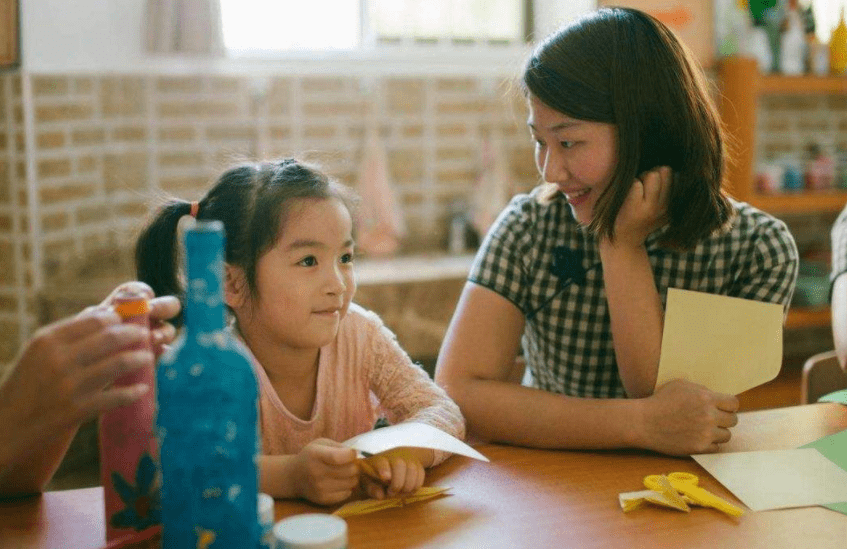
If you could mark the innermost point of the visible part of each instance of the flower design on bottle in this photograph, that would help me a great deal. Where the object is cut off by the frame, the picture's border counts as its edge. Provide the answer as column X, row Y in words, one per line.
column 142, row 503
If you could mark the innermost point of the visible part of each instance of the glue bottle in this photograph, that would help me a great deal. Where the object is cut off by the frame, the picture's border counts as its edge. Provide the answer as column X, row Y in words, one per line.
column 128, row 449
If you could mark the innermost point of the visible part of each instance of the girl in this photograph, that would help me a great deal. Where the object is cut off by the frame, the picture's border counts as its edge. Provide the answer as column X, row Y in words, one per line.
column 323, row 363
column 631, row 149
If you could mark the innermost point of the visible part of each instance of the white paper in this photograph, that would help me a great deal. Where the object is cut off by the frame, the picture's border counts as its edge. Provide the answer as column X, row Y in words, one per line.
column 778, row 479
column 410, row 434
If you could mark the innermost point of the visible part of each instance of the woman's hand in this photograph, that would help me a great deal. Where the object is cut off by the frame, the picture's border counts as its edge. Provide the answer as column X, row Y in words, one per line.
column 645, row 208
column 325, row 472
column 401, row 472
column 161, row 309
column 683, row 418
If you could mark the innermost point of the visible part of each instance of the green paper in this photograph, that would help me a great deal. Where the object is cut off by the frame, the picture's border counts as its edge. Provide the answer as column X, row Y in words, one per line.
column 834, row 448
column 838, row 397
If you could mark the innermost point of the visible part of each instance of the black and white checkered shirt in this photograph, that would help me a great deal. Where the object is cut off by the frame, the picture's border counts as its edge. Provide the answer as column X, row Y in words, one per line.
column 567, row 340
column 839, row 247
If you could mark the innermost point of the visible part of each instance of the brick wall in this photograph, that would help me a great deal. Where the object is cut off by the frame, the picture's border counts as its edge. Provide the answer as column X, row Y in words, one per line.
column 75, row 189
column 103, row 148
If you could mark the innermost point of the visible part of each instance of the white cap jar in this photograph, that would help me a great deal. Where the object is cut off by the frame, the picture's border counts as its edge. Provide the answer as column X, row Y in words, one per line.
column 311, row 531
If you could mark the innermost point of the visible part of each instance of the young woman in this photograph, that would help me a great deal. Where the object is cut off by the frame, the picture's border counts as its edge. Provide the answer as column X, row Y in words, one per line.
column 576, row 272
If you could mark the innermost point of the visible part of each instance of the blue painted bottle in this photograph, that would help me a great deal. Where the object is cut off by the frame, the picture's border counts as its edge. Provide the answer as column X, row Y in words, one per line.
column 207, row 415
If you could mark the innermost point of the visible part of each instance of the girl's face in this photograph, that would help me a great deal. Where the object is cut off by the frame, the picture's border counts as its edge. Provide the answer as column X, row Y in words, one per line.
column 305, row 282
column 577, row 156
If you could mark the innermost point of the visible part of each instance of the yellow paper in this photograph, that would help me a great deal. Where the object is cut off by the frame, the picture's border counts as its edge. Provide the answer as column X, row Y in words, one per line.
column 413, row 435
column 726, row 343
column 661, row 484
column 365, row 506
column 633, row 500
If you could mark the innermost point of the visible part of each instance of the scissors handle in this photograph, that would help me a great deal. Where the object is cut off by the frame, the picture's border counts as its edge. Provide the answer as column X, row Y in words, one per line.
column 687, row 486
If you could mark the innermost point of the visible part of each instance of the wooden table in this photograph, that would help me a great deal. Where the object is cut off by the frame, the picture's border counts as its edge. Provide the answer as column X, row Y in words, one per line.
column 526, row 498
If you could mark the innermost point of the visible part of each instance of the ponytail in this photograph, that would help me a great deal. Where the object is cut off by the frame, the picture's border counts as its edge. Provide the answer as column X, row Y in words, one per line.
column 156, row 252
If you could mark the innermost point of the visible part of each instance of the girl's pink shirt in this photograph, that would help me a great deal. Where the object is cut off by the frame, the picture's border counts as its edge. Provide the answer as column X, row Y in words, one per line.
column 362, row 374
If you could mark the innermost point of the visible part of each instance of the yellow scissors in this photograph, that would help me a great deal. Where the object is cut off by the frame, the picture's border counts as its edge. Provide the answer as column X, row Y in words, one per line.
column 687, row 485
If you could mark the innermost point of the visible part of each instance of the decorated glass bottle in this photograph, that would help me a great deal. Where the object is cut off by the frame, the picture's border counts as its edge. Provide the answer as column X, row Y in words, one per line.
column 128, row 449
column 207, row 414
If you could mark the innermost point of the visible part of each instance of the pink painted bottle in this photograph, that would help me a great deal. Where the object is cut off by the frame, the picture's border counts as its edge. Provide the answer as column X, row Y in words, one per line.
column 129, row 452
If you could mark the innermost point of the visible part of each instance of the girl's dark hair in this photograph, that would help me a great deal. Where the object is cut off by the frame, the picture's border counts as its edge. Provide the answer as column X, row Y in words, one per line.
column 623, row 67
column 252, row 200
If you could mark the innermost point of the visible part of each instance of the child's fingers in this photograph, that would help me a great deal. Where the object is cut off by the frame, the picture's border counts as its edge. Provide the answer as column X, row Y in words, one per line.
column 367, row 469
column 414, row 477
column 337, row 456
column 373, row 488
column 398, row 476
column 381, row 467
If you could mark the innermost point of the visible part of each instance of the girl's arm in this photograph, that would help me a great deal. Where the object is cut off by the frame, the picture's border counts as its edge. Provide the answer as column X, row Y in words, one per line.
column 407, row 393
column 477, row 357
column 635, row 307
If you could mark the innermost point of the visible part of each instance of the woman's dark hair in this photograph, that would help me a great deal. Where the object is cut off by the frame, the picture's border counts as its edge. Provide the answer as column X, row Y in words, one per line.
column 623, row 67
column 252, row 200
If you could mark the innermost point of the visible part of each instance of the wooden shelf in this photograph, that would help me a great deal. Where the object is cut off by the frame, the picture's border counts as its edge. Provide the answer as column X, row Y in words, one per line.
column 801, row 202
column 802, row 85
column 817, row 317
column 741, row 87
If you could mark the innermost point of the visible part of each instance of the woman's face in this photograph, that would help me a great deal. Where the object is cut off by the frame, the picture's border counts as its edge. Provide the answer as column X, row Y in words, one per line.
column 579, row 157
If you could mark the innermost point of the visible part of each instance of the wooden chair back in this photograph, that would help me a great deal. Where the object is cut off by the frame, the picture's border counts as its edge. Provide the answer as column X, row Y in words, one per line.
column 821, row 375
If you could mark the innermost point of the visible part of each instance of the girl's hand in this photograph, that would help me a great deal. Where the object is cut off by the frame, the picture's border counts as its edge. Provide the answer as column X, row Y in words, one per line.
column 401, row 472
column 645, row 207
column 683, row 418
column 325, row 472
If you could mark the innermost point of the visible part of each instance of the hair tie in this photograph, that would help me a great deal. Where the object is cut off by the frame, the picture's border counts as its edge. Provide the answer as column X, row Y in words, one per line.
column 195, row 207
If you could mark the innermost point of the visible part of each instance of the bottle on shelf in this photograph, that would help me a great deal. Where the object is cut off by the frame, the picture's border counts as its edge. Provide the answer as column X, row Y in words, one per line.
column 128, row 448
column 838, row 48
column 207, row 414
column 792, row 53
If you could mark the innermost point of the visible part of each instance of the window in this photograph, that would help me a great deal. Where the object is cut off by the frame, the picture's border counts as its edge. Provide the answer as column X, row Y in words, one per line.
column 292, row 25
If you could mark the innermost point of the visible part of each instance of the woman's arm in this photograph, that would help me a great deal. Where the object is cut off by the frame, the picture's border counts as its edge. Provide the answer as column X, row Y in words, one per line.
column 474, row 364
column 839, row 319
column 635, row 307
column 64, row 377
column 636, row 315
column 477, row 357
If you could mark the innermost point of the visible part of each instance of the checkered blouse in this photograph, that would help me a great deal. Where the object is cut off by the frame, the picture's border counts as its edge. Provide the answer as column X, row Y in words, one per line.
column 839, row 247
column 567, row 340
